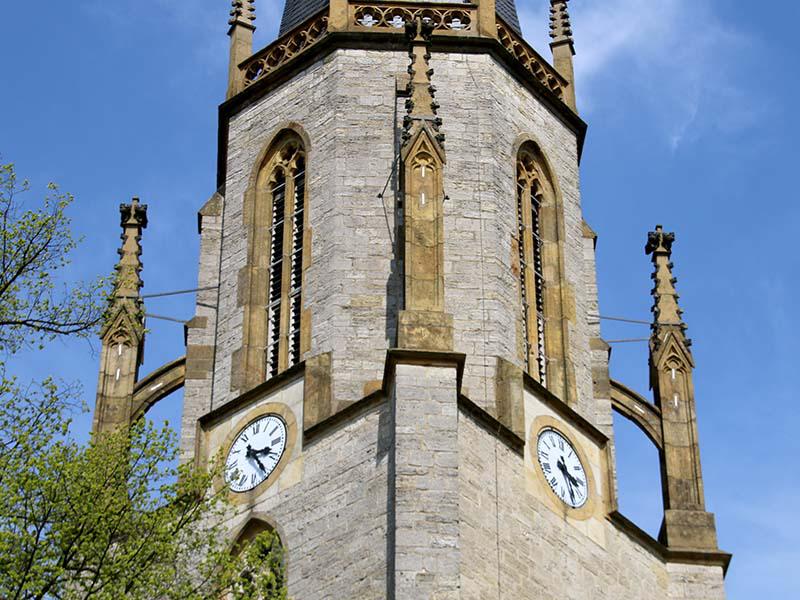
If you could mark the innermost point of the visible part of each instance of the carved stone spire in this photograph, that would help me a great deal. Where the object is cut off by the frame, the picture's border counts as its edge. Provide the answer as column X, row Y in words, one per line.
column 133, row 219
column 563, row 47
column 560, row 25
column 666, row 312
column 686, row 525
column 122, row 334
column 243, row 14
column 423, row 325
column 421, row 106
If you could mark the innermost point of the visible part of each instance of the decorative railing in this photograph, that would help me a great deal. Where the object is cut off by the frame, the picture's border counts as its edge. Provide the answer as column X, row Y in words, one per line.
column 393, row 16
column 285, row 48
column 530, row 59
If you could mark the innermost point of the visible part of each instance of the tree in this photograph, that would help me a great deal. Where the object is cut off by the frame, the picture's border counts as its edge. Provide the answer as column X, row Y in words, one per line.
column 35, row 244
column 112, row 518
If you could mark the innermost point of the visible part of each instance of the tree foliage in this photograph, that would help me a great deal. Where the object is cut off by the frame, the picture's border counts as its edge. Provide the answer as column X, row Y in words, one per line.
column 35, row 246
column 112, row 518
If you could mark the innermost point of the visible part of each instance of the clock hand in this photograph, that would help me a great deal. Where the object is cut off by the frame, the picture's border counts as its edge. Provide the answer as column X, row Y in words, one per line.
column 568, row 478
column 254, row 455
column 565, row 471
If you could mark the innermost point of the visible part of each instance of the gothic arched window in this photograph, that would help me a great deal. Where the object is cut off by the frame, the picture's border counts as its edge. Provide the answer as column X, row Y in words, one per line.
column 275, row 209
column 530, row 199
column 287, row 200
column 261, row 562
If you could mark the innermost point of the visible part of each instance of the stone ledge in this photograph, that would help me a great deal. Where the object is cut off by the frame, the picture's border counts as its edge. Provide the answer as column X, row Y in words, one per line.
column 260, row 390
column 691, row 556
column 510, row 438
column 564, row 410
column 351, row 411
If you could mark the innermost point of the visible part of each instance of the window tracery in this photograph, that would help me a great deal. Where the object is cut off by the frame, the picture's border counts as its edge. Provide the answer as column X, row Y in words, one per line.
column 284, row 307
column 530, row 199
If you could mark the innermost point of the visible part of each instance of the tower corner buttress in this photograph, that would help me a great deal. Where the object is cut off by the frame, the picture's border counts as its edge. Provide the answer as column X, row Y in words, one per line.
column 123, row 331
column 687, row 524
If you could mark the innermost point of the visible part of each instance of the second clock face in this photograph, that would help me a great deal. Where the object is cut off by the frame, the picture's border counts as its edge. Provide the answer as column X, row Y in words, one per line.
column 562, row 468
column 255, row 453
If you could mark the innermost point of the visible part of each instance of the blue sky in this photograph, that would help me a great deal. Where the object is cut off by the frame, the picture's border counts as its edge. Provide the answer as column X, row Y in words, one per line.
column 691, row 106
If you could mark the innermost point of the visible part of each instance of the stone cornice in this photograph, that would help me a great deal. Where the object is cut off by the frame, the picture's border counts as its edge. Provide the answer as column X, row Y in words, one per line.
column 491, row 424
column 259, row 391
column 426, row 358
column 565, row 411
column 392, row 42
column 711, row 558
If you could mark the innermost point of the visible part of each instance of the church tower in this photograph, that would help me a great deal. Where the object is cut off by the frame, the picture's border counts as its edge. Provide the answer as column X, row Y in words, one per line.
column 395, row 344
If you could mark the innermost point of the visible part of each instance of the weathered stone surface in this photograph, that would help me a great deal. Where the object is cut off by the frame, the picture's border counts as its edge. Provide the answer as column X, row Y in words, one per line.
column 692, row 529
column 317, row 400
column 425, row 330
column 425, row 488
column 694, row 582
column 406, row 497
column 350, row 113
column 201, row 349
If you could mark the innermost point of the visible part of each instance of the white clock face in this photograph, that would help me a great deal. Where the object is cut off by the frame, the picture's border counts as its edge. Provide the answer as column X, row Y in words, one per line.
column 562, row 468
column 255, row 453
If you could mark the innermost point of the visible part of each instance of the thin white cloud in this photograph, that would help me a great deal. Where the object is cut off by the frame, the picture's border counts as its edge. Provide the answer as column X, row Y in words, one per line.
column 677, row 56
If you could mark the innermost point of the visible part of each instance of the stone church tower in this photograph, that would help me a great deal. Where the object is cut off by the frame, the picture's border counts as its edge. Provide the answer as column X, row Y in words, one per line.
column 396, row 344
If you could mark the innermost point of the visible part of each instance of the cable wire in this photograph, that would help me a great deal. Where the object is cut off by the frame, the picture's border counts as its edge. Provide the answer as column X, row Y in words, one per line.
column 162, row 318
column 178, row 293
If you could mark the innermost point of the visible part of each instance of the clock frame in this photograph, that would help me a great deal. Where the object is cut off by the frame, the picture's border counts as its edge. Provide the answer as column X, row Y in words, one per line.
column 594, row 501
column 272, row 408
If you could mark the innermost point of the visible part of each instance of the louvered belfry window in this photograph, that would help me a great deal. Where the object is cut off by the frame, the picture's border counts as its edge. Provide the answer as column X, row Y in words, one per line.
column 287, row 192
column 530, row 198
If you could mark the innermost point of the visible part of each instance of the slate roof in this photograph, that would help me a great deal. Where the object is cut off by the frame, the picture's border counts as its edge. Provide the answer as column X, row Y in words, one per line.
column 297, row 11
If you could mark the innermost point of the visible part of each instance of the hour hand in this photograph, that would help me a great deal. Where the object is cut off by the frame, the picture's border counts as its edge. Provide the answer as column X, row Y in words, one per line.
column 565, row 471
column 254, row 455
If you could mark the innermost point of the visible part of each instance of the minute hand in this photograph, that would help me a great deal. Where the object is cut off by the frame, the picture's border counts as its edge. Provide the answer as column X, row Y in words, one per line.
column 563, row 468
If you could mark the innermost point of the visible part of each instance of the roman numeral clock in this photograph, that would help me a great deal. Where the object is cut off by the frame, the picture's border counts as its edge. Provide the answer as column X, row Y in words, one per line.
column 256, row 437
column 567, row 462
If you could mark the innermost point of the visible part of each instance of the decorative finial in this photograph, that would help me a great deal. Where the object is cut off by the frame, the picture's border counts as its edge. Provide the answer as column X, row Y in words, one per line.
column 667, row 314
column 560, row 25
column 133, row 219
column 420, row 105
column 563, row 48
column 243, row 12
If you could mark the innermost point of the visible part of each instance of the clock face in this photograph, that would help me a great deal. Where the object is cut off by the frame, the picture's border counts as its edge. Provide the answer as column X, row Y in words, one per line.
column 562, row 468
column 255, row 453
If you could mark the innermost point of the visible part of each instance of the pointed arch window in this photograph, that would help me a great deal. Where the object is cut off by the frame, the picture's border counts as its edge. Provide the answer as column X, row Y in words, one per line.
column 287, row 212
column 530, row 199
column 262, row 560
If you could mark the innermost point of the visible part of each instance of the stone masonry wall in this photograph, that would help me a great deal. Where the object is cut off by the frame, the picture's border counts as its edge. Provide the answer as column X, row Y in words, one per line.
column 514, row 547
column 427, row 559
column 691, row 582
column 486, row 114
column 201, row 329
column 333, row 520
column 346, row 105
column 347, row 109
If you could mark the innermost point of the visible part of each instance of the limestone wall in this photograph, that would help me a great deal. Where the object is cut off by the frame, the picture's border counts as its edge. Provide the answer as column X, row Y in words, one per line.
column 518, row 548
column 347, row 106
column 201, row 330
column 426, row 487
column 330, row 508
